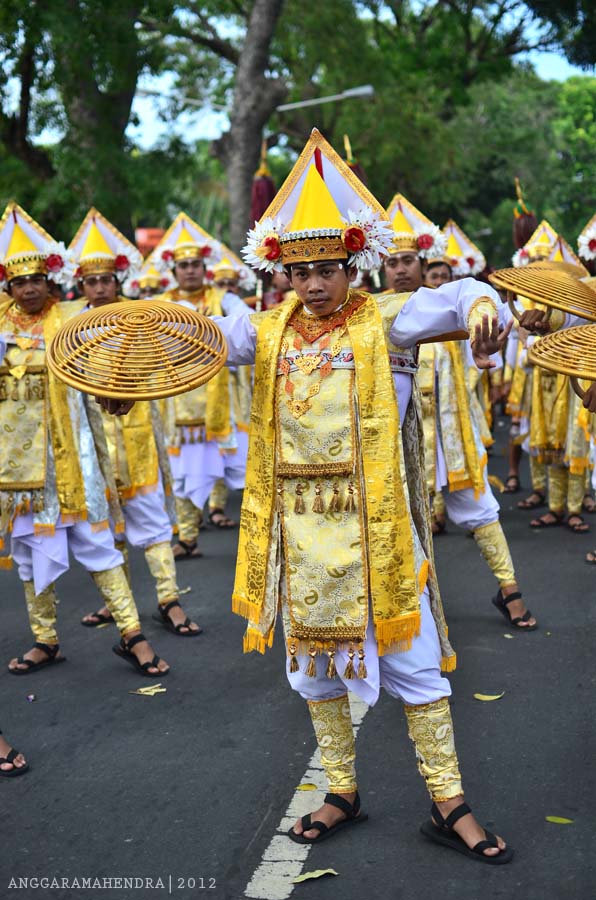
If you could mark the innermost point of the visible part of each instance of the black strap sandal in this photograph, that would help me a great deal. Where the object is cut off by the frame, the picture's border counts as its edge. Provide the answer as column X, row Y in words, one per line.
column 502, row 602
column 353, row 817
column 16, row 770
column 512, row 485
column 51, row 650
column 163, row 618
column 189, row 551
column 443, row 833
column 543, row 522
column 123, row 649
column 102, row 619
column 528, row 503
column 580, row 526
column 224, row 522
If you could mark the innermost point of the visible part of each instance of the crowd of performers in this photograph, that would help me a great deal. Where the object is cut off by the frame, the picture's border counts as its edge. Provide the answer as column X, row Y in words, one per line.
column 352, row 415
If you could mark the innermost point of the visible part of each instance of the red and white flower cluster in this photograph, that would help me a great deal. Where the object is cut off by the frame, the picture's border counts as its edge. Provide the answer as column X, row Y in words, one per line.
column 587, row 243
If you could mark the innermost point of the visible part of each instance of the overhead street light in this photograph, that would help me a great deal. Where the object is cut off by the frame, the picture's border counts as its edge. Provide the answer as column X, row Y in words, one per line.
column 365, row 90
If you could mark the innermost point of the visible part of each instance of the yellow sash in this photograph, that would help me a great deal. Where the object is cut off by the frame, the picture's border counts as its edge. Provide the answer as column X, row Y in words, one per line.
column 392, row 576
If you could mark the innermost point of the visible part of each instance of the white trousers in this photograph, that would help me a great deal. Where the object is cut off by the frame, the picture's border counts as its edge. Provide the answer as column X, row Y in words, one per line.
column 146, row 520
column 44, row 558
column 198, row 466
column 469, row 512
column 413, row 676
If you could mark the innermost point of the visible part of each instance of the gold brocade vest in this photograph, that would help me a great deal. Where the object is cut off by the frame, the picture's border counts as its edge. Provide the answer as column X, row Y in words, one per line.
column 34, row 406
column 326, row 471
column 205, row 411
column 442, row 368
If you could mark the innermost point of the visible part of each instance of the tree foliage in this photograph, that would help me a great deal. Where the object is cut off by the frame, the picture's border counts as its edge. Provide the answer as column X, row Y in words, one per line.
column 454, row 118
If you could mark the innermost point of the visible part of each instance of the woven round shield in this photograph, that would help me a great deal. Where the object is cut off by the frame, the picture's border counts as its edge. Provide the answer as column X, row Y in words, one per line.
column 137, row 351
column 551, row 287
column 561, row 265
column 571, row 351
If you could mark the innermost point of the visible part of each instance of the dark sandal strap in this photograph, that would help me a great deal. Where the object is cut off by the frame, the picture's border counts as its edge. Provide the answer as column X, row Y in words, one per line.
column 506, row 600
column 526, row 616
column 187, row 547
column 350, row 809
column 320, row 826
column 458, row 813
column 489, row 843
column 126, row 645
column 21, row 661
column 164, row 610
column 153, row 664
column 50, row 649
column 11, row 756
column 186, row 624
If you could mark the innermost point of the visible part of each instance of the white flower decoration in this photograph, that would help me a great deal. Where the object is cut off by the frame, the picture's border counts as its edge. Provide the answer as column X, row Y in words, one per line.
column 587, row 243
column 520, row 258
column 379, row 237
column 252, row 252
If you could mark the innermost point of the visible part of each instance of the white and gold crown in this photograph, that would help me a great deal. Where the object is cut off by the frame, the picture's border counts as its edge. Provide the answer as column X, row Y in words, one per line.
column 322, row 211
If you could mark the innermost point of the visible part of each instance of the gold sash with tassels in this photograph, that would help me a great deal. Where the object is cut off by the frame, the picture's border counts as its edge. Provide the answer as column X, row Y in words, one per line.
column 207, row 406
column 69, row 479
column 472, row 473
column 393, row 580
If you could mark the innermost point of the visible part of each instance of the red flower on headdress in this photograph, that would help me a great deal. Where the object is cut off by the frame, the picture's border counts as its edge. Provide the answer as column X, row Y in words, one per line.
column 209, row 275
column 54, row 262
column 78, row 273
column 470, row 261
column 122, row 263
column 425, row 241
column 270, row 248
column 354, row 239
column 2, row 273
column 523, row 253
column 205, row 251
column 167, row 256
column 164, row 282
column 454, row 261
column 592, row 245
column 135, row 285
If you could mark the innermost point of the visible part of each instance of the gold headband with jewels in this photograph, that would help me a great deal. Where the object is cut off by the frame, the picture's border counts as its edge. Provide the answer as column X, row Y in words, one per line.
column 27, row 264
column 404, row 244
column 220, row 273
column 104, row 265
column 312, row 248
column 188, row 251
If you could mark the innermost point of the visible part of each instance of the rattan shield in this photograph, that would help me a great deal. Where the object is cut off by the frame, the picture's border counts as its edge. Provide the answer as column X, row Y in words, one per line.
column 550, row 287
column 142, row 350
column 571, row 351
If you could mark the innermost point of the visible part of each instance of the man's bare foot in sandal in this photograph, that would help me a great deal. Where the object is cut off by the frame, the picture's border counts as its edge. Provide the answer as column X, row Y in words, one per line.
column 337, row 812
column 533, row 501
column 40, row 656
column 136, row 650
column 186, row 550
column 11, row 761
column 510, row 604
column 454, row 825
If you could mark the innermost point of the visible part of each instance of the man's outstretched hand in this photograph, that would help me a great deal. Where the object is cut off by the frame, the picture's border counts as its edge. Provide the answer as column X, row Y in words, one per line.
column 488, row 340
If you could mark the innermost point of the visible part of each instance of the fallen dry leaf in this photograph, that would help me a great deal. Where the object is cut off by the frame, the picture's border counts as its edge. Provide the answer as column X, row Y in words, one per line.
column 487, row 697
column 559, row 820
column 318, row 873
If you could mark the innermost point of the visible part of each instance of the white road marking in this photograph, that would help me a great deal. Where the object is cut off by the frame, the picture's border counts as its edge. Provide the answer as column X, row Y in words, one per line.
column 283, row 860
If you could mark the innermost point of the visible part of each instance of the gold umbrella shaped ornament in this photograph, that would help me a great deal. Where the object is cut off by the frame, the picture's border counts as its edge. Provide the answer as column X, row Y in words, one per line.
column 554, row 288
column 137, row 351
column 571, row 352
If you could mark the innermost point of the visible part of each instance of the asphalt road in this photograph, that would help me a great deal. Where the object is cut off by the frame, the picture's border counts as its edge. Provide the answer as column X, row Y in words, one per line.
column 193, row 783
